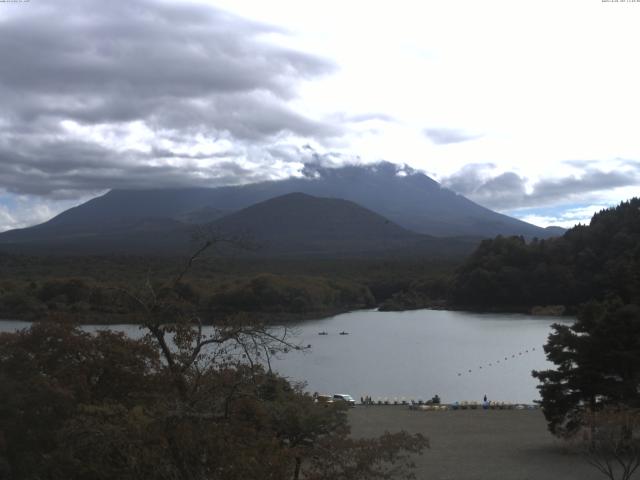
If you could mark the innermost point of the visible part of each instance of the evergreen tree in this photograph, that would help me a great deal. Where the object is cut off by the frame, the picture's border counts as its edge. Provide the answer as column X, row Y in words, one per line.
column 588, row 262
column 597, row 364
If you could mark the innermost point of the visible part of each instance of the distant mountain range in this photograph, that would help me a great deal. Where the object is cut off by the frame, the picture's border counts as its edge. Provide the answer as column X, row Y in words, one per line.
column 348, row 210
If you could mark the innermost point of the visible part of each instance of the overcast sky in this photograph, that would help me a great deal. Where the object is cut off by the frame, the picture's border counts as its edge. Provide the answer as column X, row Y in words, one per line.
column 527, row 107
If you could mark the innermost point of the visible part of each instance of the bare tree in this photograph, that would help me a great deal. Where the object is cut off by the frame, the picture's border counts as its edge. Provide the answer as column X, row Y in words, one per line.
column 612, row 444
column 175, row 324
column 193, row 354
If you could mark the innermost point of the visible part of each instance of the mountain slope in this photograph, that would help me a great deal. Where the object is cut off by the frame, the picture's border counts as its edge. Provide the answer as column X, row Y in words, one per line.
column 299, row 223
column 292, row 225
column 404, row 196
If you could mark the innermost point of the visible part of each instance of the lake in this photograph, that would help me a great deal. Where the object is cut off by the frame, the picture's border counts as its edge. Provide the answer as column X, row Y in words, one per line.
column 414, row 354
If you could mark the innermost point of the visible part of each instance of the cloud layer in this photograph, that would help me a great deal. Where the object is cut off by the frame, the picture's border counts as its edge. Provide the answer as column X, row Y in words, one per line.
column 98, row 95
column 508, row 191
column 151, row 93
column 445, row 136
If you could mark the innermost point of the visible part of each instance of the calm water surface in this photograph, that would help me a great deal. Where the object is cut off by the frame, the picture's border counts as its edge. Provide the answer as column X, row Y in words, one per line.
column 414, row 354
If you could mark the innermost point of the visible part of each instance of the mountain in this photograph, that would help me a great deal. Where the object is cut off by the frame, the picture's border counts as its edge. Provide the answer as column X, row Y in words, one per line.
column 403, row 195
column 298, row 221
column 294, row 224
column 300, row 224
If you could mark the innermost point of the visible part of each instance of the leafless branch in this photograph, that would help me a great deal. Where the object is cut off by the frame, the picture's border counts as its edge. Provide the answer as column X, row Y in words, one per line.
column 614, row 448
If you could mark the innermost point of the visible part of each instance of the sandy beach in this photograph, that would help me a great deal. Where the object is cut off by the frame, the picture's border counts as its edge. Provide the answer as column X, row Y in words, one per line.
column 478, row 444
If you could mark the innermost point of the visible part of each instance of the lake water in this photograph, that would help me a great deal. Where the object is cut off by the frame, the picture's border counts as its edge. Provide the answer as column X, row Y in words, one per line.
column 414, row 354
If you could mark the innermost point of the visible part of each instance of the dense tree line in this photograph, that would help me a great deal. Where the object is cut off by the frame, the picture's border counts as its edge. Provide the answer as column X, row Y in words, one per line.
column 598, row 261
column 271, row 295
column 88, row 288
column 430, row 291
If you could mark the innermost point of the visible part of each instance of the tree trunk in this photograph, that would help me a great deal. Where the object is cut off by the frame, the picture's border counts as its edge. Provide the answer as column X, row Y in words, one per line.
column 296, row 473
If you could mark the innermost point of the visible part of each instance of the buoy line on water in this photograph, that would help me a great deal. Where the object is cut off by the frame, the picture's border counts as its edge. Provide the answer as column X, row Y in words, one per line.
column 500, row 361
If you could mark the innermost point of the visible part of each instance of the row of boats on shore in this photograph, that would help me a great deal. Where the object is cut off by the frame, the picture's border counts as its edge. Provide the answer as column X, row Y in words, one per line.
column 475, row 406
column 430, row 405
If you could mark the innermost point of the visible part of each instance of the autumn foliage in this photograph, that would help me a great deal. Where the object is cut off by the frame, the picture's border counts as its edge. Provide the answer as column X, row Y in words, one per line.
column 181, row 402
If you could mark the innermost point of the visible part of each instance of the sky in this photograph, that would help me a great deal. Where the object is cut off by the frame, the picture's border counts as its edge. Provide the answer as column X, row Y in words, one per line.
column 528, row 108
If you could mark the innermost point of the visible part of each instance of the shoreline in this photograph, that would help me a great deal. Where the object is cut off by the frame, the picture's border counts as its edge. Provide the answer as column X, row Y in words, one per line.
column 266, row 318
column 287, row 318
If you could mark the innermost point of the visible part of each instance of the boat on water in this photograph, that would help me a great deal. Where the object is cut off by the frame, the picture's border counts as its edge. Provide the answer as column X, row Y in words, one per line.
column 323, row 333
column 344, row 333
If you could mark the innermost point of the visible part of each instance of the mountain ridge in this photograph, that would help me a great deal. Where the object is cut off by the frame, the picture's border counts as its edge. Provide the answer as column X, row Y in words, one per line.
column 293, row 225
column 406, row 197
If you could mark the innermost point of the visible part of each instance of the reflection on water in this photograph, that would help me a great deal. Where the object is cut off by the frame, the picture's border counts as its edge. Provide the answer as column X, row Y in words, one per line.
column 414, row 354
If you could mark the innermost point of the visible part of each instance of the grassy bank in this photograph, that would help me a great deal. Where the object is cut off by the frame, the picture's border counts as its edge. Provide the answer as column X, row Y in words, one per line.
column 478, row 444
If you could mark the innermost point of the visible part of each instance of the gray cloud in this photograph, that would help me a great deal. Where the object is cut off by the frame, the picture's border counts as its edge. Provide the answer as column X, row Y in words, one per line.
column 591, row 181
column 469, row 178
column 178, row 73
column 475, row 182
column 147, row 47
column 581, row 164
column 444, row 136
column 365, row 117
column 64, row 176
column 507, row 191
column 311, row 160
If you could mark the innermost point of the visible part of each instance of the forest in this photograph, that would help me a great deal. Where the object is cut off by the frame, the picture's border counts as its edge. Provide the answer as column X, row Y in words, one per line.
column 89, row 288
column 589, row 262
column 599, row 261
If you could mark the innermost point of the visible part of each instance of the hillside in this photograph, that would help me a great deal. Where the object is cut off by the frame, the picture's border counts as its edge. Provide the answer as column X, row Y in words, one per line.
column 290, row 225
column 406, row 197
column 300, row 224
column 297, row 222
column 594, row 262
